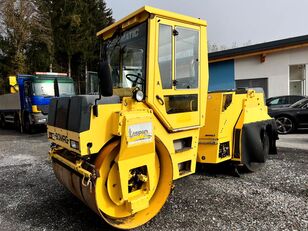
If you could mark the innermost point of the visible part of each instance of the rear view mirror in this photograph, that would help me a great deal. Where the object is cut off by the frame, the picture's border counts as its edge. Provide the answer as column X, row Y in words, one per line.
column 105, row 81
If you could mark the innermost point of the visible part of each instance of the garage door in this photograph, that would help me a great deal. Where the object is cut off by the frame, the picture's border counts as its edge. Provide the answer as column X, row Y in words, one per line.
column 253, row 83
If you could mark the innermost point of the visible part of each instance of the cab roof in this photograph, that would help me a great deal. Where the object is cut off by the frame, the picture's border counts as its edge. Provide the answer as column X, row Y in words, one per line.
column 139, row 14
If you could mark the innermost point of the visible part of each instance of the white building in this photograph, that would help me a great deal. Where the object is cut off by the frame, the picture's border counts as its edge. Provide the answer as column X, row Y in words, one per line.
column 279, row 67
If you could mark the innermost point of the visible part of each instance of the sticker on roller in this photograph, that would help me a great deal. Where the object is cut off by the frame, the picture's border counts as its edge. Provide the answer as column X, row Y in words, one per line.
column 138, row 133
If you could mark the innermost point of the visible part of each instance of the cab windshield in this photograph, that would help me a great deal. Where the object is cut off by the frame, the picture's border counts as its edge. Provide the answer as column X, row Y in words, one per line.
column 126, row 54
column 47, row 89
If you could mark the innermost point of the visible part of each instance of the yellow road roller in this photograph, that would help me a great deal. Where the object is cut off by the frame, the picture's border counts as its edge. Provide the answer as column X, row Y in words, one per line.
column 120, row 151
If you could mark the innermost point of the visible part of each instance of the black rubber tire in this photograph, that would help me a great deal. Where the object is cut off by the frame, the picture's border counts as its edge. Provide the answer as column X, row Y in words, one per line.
column 27, row 126
column 255, row 166
column 17, row 123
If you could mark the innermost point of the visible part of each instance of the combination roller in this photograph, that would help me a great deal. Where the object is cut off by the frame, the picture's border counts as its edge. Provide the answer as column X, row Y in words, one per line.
column 120, row 151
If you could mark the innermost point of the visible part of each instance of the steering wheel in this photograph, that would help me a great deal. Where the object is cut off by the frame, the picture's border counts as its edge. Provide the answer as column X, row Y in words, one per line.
column 138, row 79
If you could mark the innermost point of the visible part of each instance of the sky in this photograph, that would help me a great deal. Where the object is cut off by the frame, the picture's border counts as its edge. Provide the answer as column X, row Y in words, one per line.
column 233, row 21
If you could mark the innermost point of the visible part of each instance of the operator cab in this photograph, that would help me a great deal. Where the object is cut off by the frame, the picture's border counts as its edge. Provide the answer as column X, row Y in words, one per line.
column 166, row 67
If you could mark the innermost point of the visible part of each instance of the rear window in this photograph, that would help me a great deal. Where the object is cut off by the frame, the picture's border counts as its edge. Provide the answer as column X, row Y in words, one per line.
column 294, row 99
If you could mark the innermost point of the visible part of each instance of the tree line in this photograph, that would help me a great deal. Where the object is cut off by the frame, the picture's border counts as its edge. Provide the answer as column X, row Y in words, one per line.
column 51, row 35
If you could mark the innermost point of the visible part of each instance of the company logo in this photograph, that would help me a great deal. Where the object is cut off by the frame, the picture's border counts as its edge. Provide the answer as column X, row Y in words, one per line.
column 132, row 133
column 62, row 138
column 140, row 133
column 130, row 35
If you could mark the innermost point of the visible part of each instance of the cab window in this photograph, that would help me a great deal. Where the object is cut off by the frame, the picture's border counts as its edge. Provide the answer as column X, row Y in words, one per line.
column 165, row 55
column 186, row 58
column 126, row 55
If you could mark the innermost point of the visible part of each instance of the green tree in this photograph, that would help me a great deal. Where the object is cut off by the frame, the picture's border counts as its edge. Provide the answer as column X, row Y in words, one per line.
column 40, row 50
column 75, row 24
column 16, row 20
column 37, row 35
column 22, row 23
column 95, row 17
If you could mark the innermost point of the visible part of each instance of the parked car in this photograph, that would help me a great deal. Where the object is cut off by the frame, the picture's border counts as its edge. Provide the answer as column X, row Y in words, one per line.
column 283, row 101
column 290, row 118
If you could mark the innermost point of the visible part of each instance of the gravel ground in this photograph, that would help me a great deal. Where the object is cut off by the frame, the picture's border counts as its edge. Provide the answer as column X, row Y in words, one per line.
column 275, row 198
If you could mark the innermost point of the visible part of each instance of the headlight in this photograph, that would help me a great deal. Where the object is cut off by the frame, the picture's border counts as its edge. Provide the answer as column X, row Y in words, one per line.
column 41, row 120
column 74, row 144
column 139, row 95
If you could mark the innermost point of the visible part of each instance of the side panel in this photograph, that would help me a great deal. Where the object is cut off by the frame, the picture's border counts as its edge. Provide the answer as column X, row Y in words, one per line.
column 223, row 111
column 183, row 159
column 10, row 102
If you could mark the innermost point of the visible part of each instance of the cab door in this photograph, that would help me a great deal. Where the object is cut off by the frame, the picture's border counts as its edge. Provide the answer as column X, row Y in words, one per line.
column 27, row 96
column 177, row 89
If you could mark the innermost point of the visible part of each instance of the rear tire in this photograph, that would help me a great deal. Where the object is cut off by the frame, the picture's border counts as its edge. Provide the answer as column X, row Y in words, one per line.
column 255, row 166
column 17, row 123
column 28, row 128
column 266, row 144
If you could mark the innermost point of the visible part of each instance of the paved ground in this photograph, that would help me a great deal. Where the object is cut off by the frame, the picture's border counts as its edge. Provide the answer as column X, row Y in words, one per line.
column 297, row 141
column 275, row 198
